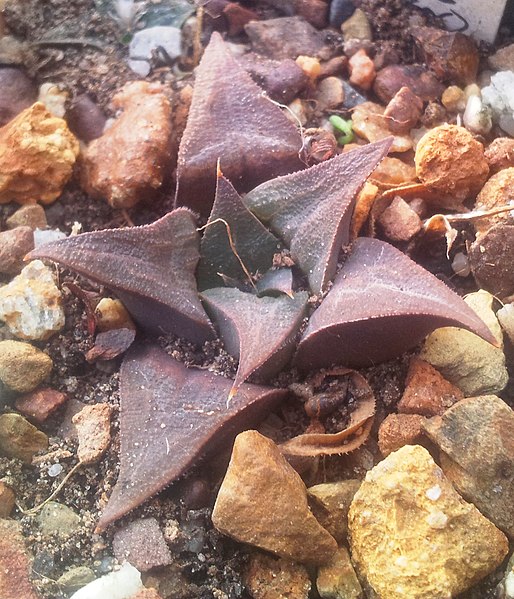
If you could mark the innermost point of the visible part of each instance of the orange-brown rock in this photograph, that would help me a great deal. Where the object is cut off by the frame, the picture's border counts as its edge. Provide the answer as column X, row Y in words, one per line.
column 268, row 577
column 94, row 432
column 15, row 244
column 38, row 405
column 498, row 191
column 449, row 161
column 500, row 154
column 362, row 70
column 369, row 123
column 7, row 500
column 129, row 161
column 392, row 172
column 398, row 430
column 427, row 392
column 14, row 563
column 37, row 154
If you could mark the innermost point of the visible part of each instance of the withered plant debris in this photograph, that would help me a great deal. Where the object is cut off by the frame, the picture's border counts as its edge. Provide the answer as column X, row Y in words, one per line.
column 111, row 344
column 169, row 416
column 230, row 119
column 380, row 304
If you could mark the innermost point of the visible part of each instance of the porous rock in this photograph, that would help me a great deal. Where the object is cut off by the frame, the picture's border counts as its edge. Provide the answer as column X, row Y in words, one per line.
column 14, row 245
column 93, row 425
column 37, row 154
column 39, row 404
column 263, row 501
column 142, row 544
column 475, row 438
column 19, row 439
column 473, row 365
column 398, row 430
column 58, row 519
column 129, row 161
column 337, row 579
column 14, row 563
column 268, row 577
column 22, row 366
column 497, row 191
column 412, row 536
column 31, row 304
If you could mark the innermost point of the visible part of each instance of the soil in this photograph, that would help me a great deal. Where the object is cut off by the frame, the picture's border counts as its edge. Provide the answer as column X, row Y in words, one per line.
column 206, row 564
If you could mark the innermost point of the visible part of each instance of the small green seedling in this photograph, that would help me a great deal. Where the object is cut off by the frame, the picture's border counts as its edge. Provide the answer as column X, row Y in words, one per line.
column 342, row 126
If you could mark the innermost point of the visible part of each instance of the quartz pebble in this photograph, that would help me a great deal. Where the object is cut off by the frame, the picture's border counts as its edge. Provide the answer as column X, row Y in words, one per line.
column 14, row 245
column 337, row 579
column 30, row 215
column 22, row 366
column 145, row 43
column 47, row 236
column 392, row 172
column 497, row 191
column 38, row 405
column 57, row 519
column 362, row 70
column 406, row 518
column 398, row 430
column 31, row 304
column 7, row 500
column 369, row 123
column 54, row 98
column 499, row 95
column 121, row 584
column 454, row 99
column 280, row 521
column 14, row 563
column 399, row 222
column 37, row 154
column 268, row 577
column 142, row 544
column 93, row 425
column 477, row 116
column 19, row 439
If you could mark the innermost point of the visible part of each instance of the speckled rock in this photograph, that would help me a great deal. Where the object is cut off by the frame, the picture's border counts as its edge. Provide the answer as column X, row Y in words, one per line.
column 7, row 500
column 269, row 577
column 38, row 405
column 337, row 580
column 475, row 438
column 413, row 537
column 75, row 578
column 398, row 430
column 93, row 425
column 473, row 365
column 57, row 519
column 14, row 245
column 330, row 503
column 280, row 520
column 31, row 304
column 14, row 563
column 22, row 366
column 142, row 544
column 19, row 439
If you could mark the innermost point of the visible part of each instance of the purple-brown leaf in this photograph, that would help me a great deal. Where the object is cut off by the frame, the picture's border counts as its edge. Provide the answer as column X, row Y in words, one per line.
column 381, row 304
column 150, row 268
column 259, row 331
column 171, row 415
column 311, row 210
column 231, row 120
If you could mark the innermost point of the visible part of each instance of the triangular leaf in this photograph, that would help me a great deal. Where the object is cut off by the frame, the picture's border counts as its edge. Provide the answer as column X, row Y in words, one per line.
column 311, row 210
column 169, row 416
column 275, row 282
column 381, row 304
column 231, row 120
column 259, row 331
column 254, row 244
column 150, row 268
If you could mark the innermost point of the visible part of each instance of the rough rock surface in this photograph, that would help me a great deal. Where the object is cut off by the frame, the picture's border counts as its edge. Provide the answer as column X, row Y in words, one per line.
column 19, row 439
column 500, row 154
column 31, row 304
column 142, row 544
column 130, row 159
column 268, row 577
column 120, row 584
column 37, row 154
column 14, row 245
column 399, row 221
column 398, row 430
column 369, row 123
column 93, row 425
column 39, row 404
column 58, row 519
column 413, row 537
column 14, row 563
column 476, row 441
column 30, row 215
column 470, row 363
column 263, row 501
column 22, row 366
column 498, row 191
column 420, row 81
column 337, row 579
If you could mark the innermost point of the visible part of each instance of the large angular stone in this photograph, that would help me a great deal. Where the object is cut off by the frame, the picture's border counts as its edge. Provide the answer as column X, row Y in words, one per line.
column 413, row 537
column 263, row 501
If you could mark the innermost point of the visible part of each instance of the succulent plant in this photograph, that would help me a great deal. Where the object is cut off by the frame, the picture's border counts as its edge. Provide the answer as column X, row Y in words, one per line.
column 254, row 277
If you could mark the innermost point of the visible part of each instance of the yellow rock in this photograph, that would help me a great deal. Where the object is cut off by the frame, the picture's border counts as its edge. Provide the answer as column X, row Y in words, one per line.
column 413, row 537
column 112, row 314
column 37, row 154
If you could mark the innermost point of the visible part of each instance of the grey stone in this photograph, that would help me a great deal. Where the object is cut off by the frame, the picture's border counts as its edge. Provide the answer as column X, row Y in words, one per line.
column 58, row 519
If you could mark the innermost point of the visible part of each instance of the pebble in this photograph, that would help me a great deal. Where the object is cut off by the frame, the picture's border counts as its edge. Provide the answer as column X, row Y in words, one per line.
column 330, row 503
column 31, row 304
column 497, row 191
column 14, row 245
column 399, row 221
column 329, row 94
column 57, row 519
column 362, row 70
column 427, row 392
column 502, row 59
column 37, row 154
column 397, row 430
column 93, row 425
column 7, row 500
column 340, row 11
column 38, row 405
column 22, row 366
column 352, row 46
column 280, row 521
column 357, row 27
column 412, row 535
column 85, row 118
column 75, row 578
column 19, row 439
column 500, row 154
column 508, row 581
column 54, row 98
column 17, row 92
column 477, row 455
column 499, row 95
column 505, row 316
column 30, row 215
column 310, row 66
column 47, row 236
column 15, row 567
column 337, row 579
column 450, row 162
column 454, row 99
column 392, row 172
column 369, row 123
column 477, row 116
column 403, row 111
column 142, row 544
column 121, row 584
column 421, row 82
column 270, row 578
column 298, row 112
column 352, row 97
column 472, row 364
column 145, row 43
column 111, row 314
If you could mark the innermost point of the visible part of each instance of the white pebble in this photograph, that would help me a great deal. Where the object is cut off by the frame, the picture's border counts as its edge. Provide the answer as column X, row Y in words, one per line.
column 54, row 470
column 145, row 43
column 42, row 236
column 434, row 492
column 121, row 584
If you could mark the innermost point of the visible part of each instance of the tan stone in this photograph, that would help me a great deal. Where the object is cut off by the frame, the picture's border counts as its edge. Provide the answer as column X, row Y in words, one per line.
column 413, row 537
column 22, row 366
column 476, row 440
column 337, row 580
column 93, row 424
column 268, row 577
column 398, row 430
column 130, row 159
column 37, row 154
column 14, row 245
column 427, row 392
column 263, row 501
column 399, row 221
column 362, row 70
column 369, row 123
column 20, row 439
column 39, row 404
column 30, row 215
column 454, row 99
column 498, row 191
column 7, row 500
column 14, row 563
